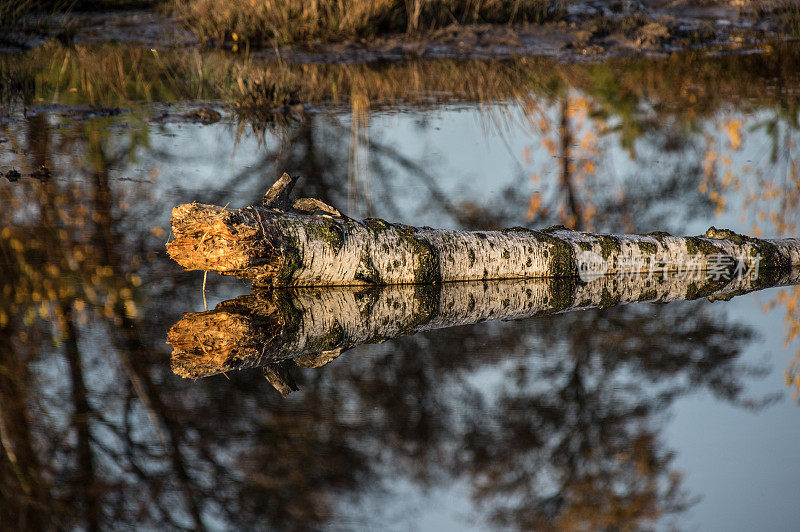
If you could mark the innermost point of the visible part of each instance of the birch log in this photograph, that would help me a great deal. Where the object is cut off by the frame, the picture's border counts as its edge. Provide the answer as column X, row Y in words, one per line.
column 312, row 244
column 312, row 326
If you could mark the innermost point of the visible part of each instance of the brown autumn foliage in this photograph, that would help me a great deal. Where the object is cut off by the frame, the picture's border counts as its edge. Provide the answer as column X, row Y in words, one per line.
column 295, row 21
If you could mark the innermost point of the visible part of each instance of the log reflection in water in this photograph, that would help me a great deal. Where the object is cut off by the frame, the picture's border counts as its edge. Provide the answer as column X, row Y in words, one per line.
column 312, row 326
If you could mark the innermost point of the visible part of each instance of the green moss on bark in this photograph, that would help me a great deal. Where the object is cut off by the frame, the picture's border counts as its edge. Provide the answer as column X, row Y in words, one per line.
column 648, row 295
column 327, row 230
column 562, row 293
column 331, row 339
column 609, row 246
column 607, row 300
column 290, row 263
column 647, row 247
column 697, row 291
column 562, row 262
column 771, row 257
column 427, row 269
column 696, row 245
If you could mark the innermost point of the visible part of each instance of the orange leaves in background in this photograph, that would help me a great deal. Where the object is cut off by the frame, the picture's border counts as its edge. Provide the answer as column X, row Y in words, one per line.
column 550, row 145
column 534, row 206
column 576, row 139
column 734, row 128
column 790, row 300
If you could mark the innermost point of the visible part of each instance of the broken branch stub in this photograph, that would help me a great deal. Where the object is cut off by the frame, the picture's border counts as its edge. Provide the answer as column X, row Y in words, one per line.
column 277, row 247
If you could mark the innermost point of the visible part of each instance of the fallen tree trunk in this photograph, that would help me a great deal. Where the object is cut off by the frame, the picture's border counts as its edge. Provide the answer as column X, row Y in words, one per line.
column 312, row 244
column 312, row 326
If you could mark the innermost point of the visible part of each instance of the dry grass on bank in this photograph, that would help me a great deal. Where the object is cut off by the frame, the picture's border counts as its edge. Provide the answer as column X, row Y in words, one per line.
column 116, row 75
column 303, row 21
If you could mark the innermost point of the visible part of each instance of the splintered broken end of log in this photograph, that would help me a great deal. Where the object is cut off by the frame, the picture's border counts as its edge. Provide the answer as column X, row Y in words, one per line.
column 250, row 334
column 208, row 237
column 279, row 375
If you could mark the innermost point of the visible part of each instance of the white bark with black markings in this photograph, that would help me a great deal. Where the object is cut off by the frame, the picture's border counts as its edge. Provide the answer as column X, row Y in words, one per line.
column 312, row 244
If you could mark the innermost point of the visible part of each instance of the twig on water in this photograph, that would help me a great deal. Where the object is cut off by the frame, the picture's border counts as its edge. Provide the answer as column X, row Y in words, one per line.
column 205, row 274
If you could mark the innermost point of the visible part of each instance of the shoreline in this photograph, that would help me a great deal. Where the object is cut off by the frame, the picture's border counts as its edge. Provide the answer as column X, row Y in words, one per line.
column 579, row 38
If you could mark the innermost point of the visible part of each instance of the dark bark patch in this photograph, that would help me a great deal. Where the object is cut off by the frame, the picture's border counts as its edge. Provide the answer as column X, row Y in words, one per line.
column 648, row 295
column 328, row 231
column 561, row 255
column 771, row 257
column 562, row 293
column 426, row 301
column 609, row 246
column 367, row 272
column 427, row 268
column 290, row 263
column 367, row 299
column 696, row 245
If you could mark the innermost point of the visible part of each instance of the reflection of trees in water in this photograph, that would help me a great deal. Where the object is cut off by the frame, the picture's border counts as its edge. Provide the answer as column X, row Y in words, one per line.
column 570, row 439
column 96, row 432
column 586, row 190
column 753, row 168
column 593, row 414
column 744, row 162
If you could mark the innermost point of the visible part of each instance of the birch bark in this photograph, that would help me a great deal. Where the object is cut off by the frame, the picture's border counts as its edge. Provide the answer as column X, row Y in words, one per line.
column 276, row 248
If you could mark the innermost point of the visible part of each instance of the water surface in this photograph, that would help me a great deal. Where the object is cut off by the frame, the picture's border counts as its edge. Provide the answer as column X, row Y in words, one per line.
column 639, row 416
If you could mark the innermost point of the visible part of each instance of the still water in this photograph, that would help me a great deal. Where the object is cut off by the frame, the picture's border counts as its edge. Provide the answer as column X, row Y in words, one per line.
column 673, row 415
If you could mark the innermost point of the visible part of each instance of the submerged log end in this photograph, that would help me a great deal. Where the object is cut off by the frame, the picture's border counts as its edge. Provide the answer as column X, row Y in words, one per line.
column 208, row 237
column 208, row 343
column 235, row 335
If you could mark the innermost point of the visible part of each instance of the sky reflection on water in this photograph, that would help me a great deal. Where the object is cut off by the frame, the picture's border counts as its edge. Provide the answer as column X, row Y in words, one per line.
column 583, row 419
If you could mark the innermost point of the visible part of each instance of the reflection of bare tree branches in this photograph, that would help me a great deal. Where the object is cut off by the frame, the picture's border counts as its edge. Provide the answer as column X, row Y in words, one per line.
column 563, row 444
column 465, row 217
column 233, row 453
column 178, row 470
column 96, row 433
column 568, row 414
column 88, row 490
